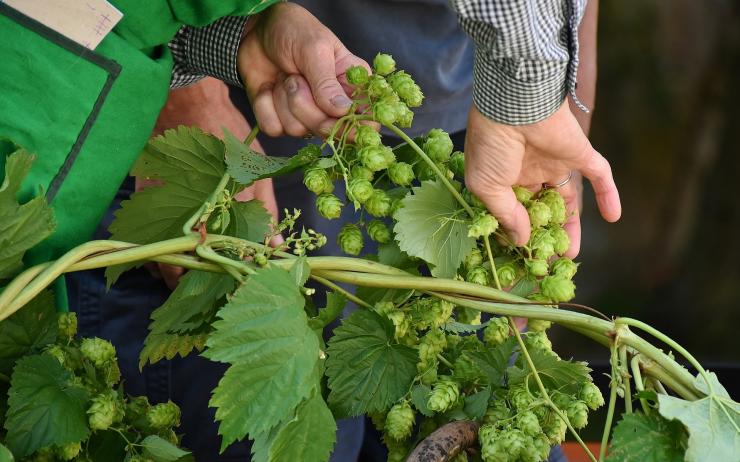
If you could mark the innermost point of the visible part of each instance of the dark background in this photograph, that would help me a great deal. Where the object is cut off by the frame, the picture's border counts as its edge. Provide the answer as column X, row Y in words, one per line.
column 667, row 119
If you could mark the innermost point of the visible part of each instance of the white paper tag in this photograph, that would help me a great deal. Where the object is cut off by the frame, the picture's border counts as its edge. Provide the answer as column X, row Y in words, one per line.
column 86, row 22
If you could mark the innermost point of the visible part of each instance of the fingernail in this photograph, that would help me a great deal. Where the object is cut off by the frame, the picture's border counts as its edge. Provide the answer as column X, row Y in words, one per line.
column 514, row 237
column 341, row 101
column 291, row 85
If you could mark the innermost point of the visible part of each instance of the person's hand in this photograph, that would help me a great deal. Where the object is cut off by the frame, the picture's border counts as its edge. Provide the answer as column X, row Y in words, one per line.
column 206, row 105
column 499, row 156
column 293, row 69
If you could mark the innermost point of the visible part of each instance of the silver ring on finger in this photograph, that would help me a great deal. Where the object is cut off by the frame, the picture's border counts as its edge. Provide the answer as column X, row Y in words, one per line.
column 559, row 184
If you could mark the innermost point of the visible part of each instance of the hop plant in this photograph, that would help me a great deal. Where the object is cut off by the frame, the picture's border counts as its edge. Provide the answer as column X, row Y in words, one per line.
column 542, row 242
column 69, row 451
column 564, row 267
column 541, row 447
column 58, row 353
column 438, row 145
column 492, row 449
column 522, row 194
column 375, row 158
column 401, row 173
column 514, row 441
column 484, row 224
column 538, row 341
column 367, row 136
column 378, row 204
column 520, row 397
column 539, row 214
column 558, row 288
column 357, row 75
column 538, row 325
column 350, row 239
column 468, row 316
column 591, row 395
column 385, row 112
column 136, row 408
column 464, row 369
column 110, row 373
column 97, row 351
column 555, row 429
column 507, row 274
column 105, row 410
column 164, row 415
column 444, row 395
column 496, row 412
column 496, row 332
column 317, row 181
column 360, row 190
column 400, row 421
column 379, row 232
column 561, row 240
column 404, row 116
column 536, row 266
column 430, row 345
column 401, row 323
column 457, row 163
column 329, row 206
column 556, row 204
column 577, row 414
column 384, row 64
column 527, row 422
column 475, row 258
column 478, row 275
column 67, row 324
column 406, row 88
column 378, row 87
column 359, row 172
column 424, row 171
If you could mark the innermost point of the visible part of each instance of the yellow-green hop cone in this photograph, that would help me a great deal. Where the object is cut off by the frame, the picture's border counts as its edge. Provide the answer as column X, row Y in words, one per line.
column 523, row 195
column 475, row 258
column 561, row 240
column 67, row 324
column 496, row 332
column 444, row 395
column 400, row 421
column 564, row 267
column 360, row 190
column 350, row 239
column 558, row 288
column 539, row 214
column 69, row 451
column 359, row 172
column 404, row 116
column 378, row 87
column 374, row 158
column 401, row 323
column 536, row 266
column 164, row 415
column 401, row 173
column 497, row 411
column 105, row 410
column 367, row 136
column 385, row 113
column 484, row 224
column 317, row 181
column 507, row 274
column 520, row 398
column 378, row 204
column 577, row 414
column 379, row 232
column 538, row 325
column 527, row 422
column 478, row 275
column 329, row 206
column 357, row 75
column 457, row 163
column 43, row 455
column 591, row 395
column 438, row 145
column 538, row 341
column 384, row 64
column 555, row 429
column 97, row 351
column 556, row 203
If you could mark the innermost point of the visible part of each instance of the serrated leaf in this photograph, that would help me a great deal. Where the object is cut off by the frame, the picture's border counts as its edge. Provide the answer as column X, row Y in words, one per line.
column 27, row 330
column 248, row 220
column 308, row 436
column 21, row 226
column 166, row 346
column 367, row 370
column 642, row 438
column 264, row 334
column 161, row 450
column 555, row 373
column 433, row 226
column 712, row 422
column 493, row 362
column 462, row 328
column 300, row 270
column 335, row 303
column 5, row 454
column 477, row 403
column 45, row 407
column 247, row 166
column 191, row 164
column 420, row 398
column 524, row 287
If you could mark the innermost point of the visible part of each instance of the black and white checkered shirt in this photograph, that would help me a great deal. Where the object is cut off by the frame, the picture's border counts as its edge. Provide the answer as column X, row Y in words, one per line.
column 526, row 55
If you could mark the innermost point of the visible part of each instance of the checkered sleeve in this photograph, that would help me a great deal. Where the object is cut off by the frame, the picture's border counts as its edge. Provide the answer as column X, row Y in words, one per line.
column 526, row 55
column 207, row 51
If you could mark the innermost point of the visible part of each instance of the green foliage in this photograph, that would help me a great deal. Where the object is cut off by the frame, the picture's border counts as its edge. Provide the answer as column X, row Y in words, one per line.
column 368, row 371
column 249, row 220
column 27, row 331
column 5, row 454
column 642, row 438
column 556, row 374
column 493, row 362
column 263, row 333
column 21, row 226
column 45, row 406
column 161, row 450
column 167, row 346
column 432, row 226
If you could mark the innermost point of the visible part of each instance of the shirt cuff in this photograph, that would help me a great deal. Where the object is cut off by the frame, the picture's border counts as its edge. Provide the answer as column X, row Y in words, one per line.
column 208, row 51
column 518, row 91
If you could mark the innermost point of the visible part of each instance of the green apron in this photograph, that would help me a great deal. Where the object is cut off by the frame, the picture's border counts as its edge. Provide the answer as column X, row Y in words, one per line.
column 87, row 114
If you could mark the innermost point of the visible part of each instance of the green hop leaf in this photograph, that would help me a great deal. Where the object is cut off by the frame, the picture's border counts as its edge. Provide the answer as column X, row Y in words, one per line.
column 558, row 288
column 161, row 450
column 318, row 181
column 329, row 206
column 484, row 224
column 384, row 64
column 639, row 437
column 496, row 332
column 378, row 204
column 556, row 374
column 444, row 395
column 564, row 267
column 350, row 239
column 438, row 145
column 401, row 173
column 27, row 330
column 539, row 214
column 379, row 232
column 457, row 163
column 367, row 370
column 367, row 136
column 357, row 75
column 98, row 351
column 400, row 421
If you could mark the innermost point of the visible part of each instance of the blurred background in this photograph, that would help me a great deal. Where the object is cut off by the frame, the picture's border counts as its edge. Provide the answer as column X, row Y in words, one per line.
column 667, row 118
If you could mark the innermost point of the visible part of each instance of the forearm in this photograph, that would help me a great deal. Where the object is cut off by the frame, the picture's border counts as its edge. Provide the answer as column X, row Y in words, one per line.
column 587, row 69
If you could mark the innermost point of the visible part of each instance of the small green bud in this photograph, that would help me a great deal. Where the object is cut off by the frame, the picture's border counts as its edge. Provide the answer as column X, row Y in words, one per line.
column 357, row 75
column 261, row 259
column 379, row 232
column 484, row 224
column 401, row 173
column 67, row 323
column 478, row 275
column 164, row 415
column 367, row 136
column 384, row 64
column 496, row 332
column 457, row 163
column 507, row 274
column 577, row 414
column 376, row 157
column 317, row 181
column 400, row 421
column 359, row 172
column 475, row 258
column 591, row 395
column 538, row 325
column 536, row 266
column 385, row 113
column 556, row 203
column 522, row 194
column 562, row 241
column 564, row 267
column 444, row 395
column 527, row 422
column 379, row 204
column 558, row 288
column 438, row 145
column 539, row 214
column 329, row 206
column 69, row 451
column 378, row 87
column 360, row 190
column 97, row 351
column 350, row 239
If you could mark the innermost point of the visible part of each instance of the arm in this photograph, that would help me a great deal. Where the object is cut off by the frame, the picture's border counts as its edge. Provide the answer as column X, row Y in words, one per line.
column 521, row 130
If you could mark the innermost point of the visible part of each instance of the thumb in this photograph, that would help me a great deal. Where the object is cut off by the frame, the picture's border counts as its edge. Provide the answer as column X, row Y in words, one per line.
column 501, row 202
column 319, row 69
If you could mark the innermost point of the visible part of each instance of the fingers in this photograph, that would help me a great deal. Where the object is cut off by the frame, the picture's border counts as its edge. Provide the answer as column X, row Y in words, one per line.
column 302, row 106
column 318, row 67
column 501, row 202
column 171, row 274
column 596, row 168
column 264, row 110
column 571, row 193
column 291, row 125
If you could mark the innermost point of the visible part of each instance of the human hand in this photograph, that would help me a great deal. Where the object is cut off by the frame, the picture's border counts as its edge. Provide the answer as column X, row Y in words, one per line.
column 293, row 69
column 499, row 156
